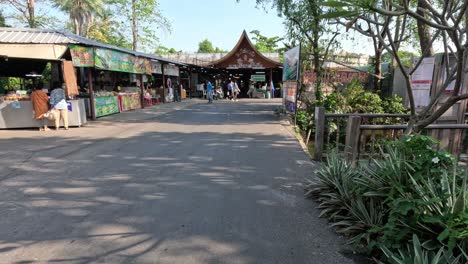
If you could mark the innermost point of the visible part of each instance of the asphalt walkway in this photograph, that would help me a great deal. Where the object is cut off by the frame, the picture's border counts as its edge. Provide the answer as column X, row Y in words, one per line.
column 177, row 183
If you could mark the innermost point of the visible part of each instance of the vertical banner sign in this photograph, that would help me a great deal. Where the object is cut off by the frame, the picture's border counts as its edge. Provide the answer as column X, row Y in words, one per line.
column 291, row 67
column 421, row 81
column 69, row 78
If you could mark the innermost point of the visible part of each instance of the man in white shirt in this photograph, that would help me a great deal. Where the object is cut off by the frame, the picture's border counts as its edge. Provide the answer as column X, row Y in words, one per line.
column 235, row 91
column 229, row 87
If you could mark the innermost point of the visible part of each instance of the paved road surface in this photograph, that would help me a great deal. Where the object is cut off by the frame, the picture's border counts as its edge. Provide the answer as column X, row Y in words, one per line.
column 219, row 183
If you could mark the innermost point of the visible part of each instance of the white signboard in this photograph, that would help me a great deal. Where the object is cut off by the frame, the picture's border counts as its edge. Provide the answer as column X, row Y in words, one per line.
column 171, row 70
column 421, row 81
column 156, row 67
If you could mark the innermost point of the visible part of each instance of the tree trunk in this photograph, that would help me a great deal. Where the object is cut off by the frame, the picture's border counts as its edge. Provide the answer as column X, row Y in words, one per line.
column 31, row 18
column 424, row 31
column 76, row 26
column 134, row 25
column 378, row 68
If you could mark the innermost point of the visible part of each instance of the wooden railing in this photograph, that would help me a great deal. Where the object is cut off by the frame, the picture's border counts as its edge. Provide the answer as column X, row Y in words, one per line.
column 358, row 135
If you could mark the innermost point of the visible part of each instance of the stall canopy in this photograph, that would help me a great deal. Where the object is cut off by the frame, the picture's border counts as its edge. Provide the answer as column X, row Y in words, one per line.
column 49, row 45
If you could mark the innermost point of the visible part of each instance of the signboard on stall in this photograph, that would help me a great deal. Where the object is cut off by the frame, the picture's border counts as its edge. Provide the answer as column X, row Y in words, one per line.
column 156, row 67
column 106, row 105
column 129, row 102
column 257, row 77
column 142, row 66
column 171, row 70
column 291, row 66
column 106, row 59
column 421, row 81
column 82, row 56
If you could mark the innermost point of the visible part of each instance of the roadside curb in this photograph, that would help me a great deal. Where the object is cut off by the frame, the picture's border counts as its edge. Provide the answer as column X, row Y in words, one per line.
column 286, row 123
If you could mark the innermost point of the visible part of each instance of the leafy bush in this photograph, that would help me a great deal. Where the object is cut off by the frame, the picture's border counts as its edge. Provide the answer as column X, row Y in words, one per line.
column 394, row 105
column 303, row 119
column 355, row 99
column 412, row 192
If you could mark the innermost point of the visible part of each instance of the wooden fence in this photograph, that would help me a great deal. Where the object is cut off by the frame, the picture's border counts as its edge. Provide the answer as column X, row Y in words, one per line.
column 358, row 135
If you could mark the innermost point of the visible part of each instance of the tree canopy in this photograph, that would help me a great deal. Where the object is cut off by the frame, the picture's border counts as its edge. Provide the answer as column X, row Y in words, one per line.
column 205, row 46
column 265, row 44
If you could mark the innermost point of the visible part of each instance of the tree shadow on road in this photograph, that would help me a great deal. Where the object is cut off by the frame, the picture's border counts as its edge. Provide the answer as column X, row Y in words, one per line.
column 160, row 197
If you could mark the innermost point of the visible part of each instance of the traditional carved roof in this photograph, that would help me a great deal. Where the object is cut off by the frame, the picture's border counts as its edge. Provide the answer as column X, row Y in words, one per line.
column 245, row 56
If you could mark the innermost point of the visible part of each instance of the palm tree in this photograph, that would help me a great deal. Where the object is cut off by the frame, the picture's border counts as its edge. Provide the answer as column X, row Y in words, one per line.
column 81, row 13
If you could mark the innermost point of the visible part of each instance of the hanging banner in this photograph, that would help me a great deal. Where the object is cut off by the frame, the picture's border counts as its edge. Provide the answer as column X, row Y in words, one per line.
column 156, row 67
column 171, row 70
column 69, row 77
column 106, row 59
column 290, row 93
column 82, row 56
column 142, row 65
column 291, row 64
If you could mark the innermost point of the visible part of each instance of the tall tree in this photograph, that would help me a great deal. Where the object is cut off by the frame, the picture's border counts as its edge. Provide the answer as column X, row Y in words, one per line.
column 143, row 19
column 81, row 12
column 205, row 46
column 162, row 50
column 305, row 24
column 424, row 32
column 25, row 8
column 450, row 21
column 265, row 44
column 105, row 29
column 2, row 20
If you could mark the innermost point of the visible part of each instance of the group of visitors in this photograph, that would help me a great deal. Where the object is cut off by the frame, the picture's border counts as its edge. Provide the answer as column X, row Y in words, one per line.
column 55, row 108
column 232, row 87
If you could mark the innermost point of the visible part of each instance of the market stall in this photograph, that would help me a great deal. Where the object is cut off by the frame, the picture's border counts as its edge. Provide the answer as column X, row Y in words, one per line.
column 16, row 111
column 129, row 99
column 92, row 71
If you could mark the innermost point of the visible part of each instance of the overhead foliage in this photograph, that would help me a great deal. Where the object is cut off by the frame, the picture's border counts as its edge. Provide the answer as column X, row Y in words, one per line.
column 81, row 12
column 206, row 46
column 140, row 19
column 445, row 19
column 265, row 44
column 305, row 24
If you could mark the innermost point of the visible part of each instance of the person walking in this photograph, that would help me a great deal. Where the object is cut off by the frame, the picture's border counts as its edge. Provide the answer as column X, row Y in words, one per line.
column 209, row 91
column 235, row 91
column 58, row 102
column 40, row 102
column 251, row 90
column 229, row 87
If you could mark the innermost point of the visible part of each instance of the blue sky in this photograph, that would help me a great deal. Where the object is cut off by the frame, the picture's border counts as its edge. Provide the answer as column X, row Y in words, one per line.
column 220, row 21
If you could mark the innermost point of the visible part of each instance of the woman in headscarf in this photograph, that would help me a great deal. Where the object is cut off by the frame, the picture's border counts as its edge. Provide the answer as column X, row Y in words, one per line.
column 40, row 103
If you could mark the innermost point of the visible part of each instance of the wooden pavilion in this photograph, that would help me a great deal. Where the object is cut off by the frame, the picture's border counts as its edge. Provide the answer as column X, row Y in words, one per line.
column 247, row 65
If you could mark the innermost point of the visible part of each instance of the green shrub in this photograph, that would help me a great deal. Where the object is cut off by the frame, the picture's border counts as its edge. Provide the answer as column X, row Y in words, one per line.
column 303, row 119
column 413, row 191
column 394, row 105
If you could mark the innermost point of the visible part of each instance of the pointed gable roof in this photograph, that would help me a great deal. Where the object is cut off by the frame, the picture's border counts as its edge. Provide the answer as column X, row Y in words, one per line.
column 245, row 56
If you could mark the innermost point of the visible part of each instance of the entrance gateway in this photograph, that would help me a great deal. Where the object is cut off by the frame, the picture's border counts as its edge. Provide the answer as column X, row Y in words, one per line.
column 249, row 66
